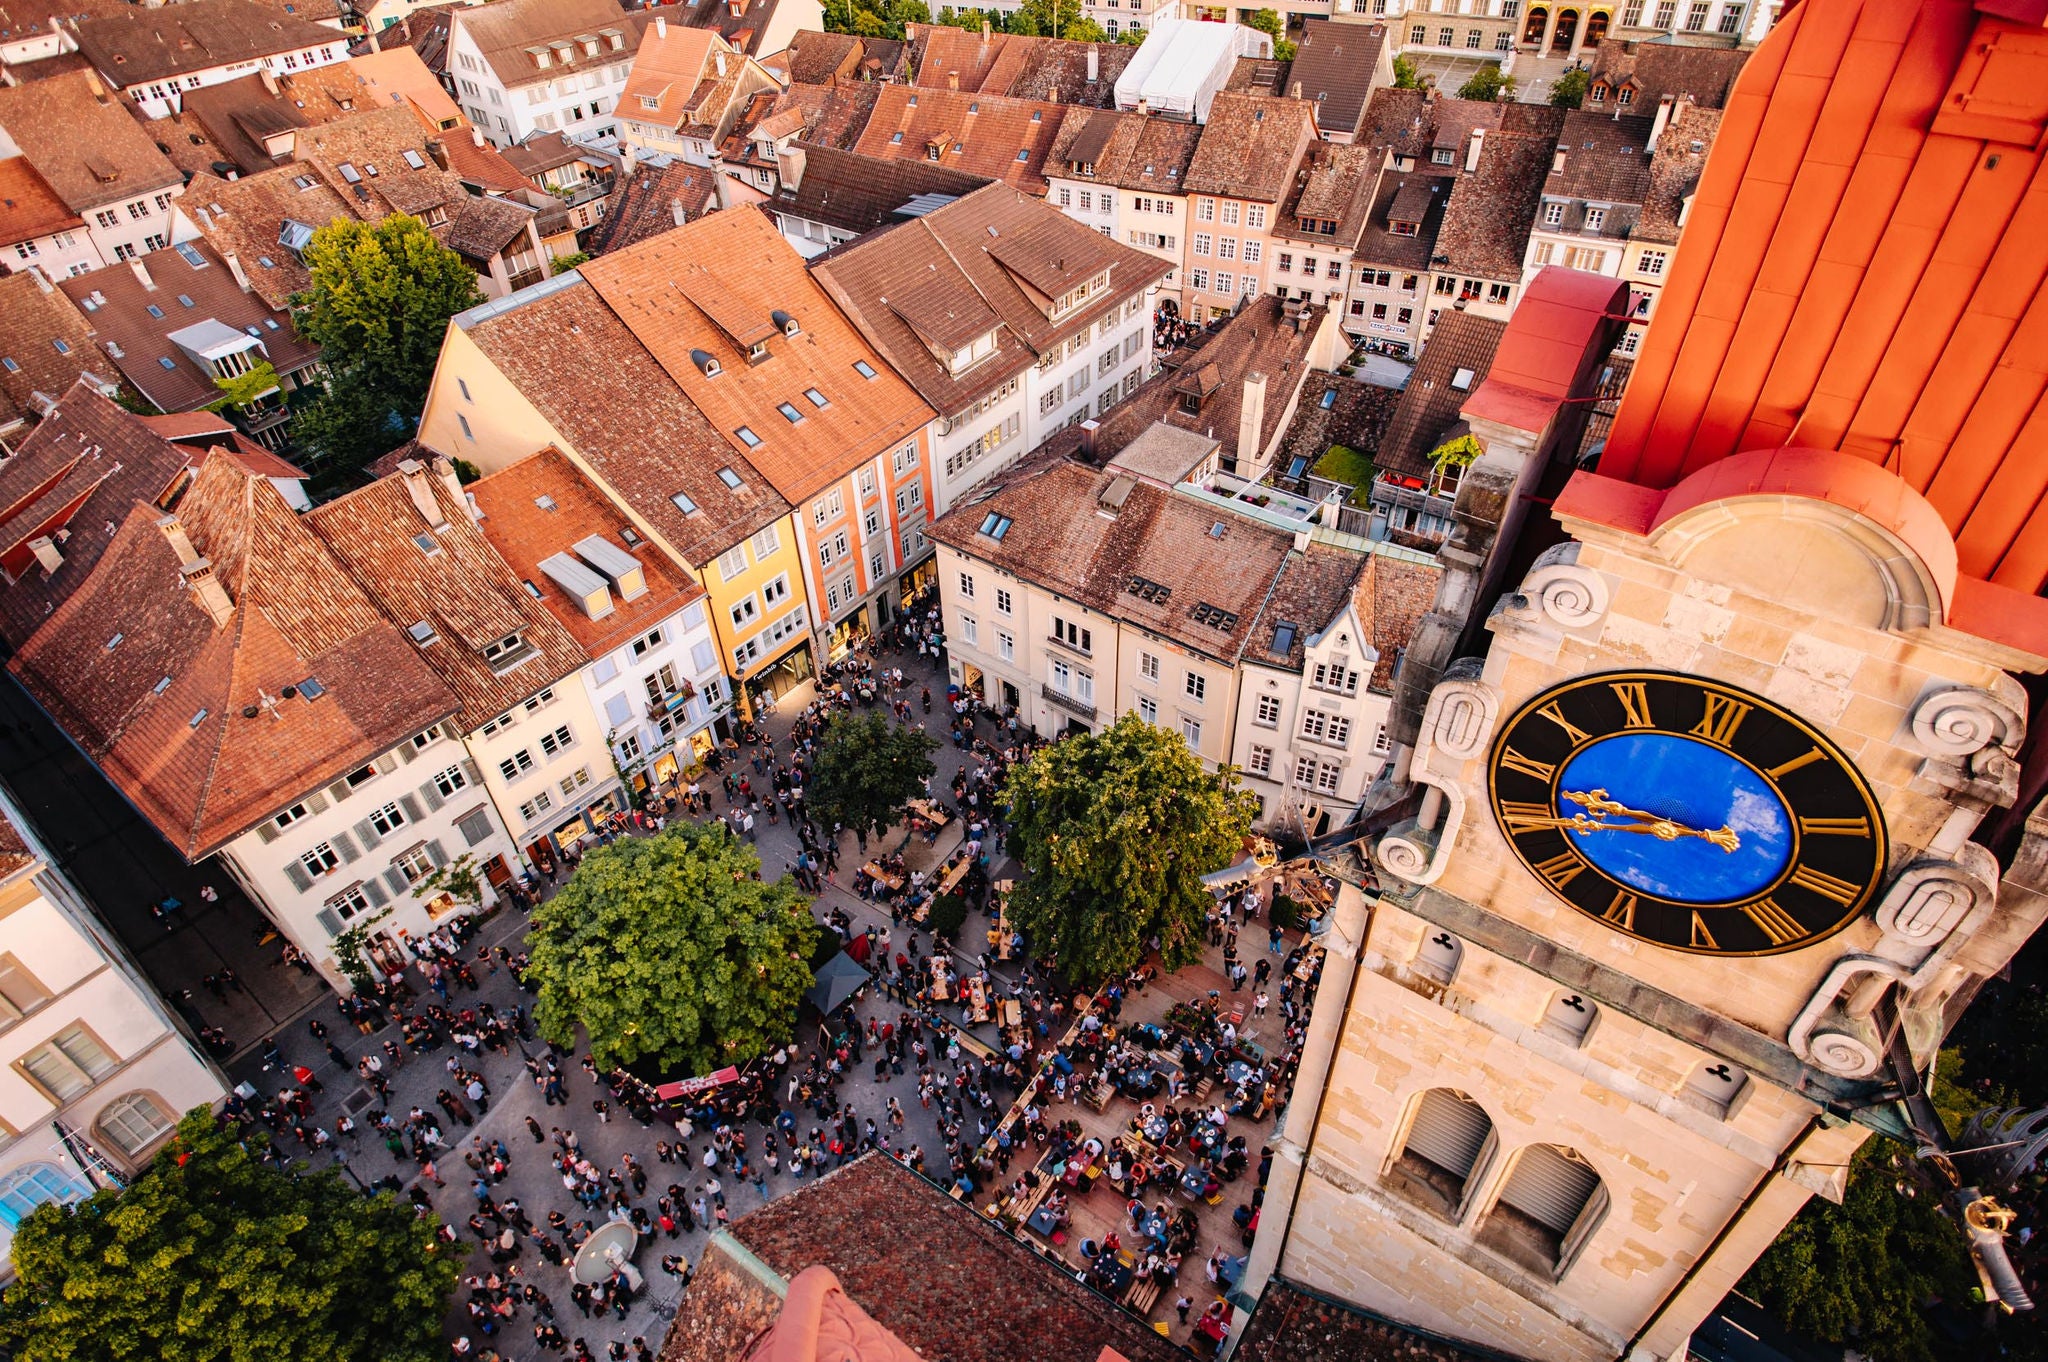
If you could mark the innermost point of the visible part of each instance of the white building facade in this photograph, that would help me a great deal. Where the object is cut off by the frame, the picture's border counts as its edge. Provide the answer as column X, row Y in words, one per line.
column 659, row 695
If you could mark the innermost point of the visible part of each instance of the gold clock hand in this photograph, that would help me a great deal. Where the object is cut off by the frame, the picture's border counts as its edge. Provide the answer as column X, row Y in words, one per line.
column 1663, row 829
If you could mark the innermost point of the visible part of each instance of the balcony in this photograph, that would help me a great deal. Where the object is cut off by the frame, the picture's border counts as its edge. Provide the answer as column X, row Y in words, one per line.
column 671, row 702
column 1068, row 703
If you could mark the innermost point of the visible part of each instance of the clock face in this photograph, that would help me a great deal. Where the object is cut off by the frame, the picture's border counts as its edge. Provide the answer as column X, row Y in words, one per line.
column 1687, row 813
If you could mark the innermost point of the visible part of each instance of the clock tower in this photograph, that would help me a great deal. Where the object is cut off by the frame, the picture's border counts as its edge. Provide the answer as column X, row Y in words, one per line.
column 1694, row 873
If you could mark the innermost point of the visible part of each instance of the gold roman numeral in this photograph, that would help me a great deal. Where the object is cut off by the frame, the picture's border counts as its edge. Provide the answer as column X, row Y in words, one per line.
column 1724, row 715
column 1701, row 937
column 1827, row 886
column 1556, row 716
column 1786, row 768
column 1561, row 869
column 1635, row 702
column 1521, row 818
column 1515, row 761
column 1622, row 912
column 1773, row 921
column 1834, row 827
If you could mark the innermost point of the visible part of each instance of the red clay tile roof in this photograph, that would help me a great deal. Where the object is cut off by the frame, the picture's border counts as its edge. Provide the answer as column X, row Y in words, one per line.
column 1430, row 402
column 882, row 1229
column 34, row 318
column 1334, row 66
column 462, row 588
column 1675, row 169
column 816, row 58
column 682, row 295
column 1004, row 139
column 87, row 147
column 624, row 418
column 543, row 506
column 244, row 218
column 1017, row 65
column 29, row 208
column 834, row 115
column 643, row 204
column 1415, row 196
column 1124, row 149
column 1312, row 590
column 943, row 270
column 860, row 193
column 1291, row 1325
column 1485, row 231
column 1250, row 147
column 1403, row 591
column 1334, row 185
column 1672, row 66
column 666, row 69
column 504, row 31
column 1606, row 159
column 137, row 672
column 151, row 44
column 744, row 29
column 731, row 1300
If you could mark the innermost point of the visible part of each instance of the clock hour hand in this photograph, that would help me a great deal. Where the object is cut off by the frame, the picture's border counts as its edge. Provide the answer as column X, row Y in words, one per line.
column 1639, row 820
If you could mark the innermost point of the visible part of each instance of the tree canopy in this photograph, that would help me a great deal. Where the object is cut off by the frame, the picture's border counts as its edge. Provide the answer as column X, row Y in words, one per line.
column 671, row 949
column 215, row 1256
column 867, row 768
column 1405, row 75
column 1267, row 21
column 377, row 305
column 1488, row 83
column 1568, row 91
column 1117, row 830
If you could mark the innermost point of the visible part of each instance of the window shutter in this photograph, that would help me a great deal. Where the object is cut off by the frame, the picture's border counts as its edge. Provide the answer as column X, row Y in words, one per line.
column 436, row 853
column 1449, row 1131
column 339, row 791
column 296, row 873
column 451, row 732
column 430, row 795
column 329, row 921
column 317, row 802
column 406, row 752
column 1550, row 1186
column 346, row 845
column 266, row 831
column 411, row 807
column 473, row 771
column 475, row 828
column 385, row 764
column 619, row 710
column 373, row 890
column 400, row 885
column 367, row 835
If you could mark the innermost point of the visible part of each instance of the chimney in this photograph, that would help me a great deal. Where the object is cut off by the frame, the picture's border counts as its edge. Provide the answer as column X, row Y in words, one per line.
column 1557, row 161
column 437, row 152
column 1664, row 111
column 718, row 56
column 1251, row 421
column 1472, row 152
column 1094, row 65
column 1088, row 429
column 476, row 134
column 235, row 268
column 445, row 471
column 197, row 573
column 678, row 212
column 952, row 80
column 413, row 474
column 660, row 26
column 790, row 162
column 627, row 160
column 1294, row 92
column 92, row 83
column 376, row 43
column 1144, row 107
column 142, row 273
column 721, row 186
column 269, row 79
column 47, row 553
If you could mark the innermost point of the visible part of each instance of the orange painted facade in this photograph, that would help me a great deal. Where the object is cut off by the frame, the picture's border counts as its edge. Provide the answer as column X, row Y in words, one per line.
column 1863, row 271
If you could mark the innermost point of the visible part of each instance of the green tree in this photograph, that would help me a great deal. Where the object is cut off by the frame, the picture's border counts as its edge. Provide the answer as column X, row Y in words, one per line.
column 1268, row 22
column 1405, row 77
column 1568, row 91
column 215, row 1256
column 245, row 388
column 1117, row 830
column 377, row 304
column 1085, row 30
column 866, row 769
column 1132, row 36
column 562, row 264
column 672, row 949
column 1046, row 18
column 1487, row 84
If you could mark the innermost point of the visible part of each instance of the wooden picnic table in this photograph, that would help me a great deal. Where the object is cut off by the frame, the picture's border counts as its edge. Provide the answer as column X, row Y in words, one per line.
column 874, row 871
column 930, row 811
column 954, row 876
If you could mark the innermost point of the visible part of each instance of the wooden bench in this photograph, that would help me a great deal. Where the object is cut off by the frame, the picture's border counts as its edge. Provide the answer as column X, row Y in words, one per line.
column 1203, row 1088
column 1142, row 1296
column 1098, row 1096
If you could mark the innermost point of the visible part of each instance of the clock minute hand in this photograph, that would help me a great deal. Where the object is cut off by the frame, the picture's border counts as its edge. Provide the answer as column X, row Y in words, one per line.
column 1664, row 829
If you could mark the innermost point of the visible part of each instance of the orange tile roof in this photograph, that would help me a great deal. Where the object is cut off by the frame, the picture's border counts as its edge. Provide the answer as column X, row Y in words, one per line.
column 34, row 318
column 1866, row 275
column 398, row 72
column 713, row 286
column 543, row 506
column 667, row 68
column 29, row 208
column 1004, row 139
column 138, row 674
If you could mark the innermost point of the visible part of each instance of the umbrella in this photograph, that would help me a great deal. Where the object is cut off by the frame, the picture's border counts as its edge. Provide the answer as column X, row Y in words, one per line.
column 838, row 979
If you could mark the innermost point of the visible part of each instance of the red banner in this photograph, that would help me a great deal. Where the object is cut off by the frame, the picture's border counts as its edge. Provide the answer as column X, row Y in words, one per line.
column 669, row 1092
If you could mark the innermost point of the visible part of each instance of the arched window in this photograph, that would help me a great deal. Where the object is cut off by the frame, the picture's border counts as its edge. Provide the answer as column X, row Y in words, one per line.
column 1549, row 1206
column 1569, row 1018
column 27, row 1188
column 1448, row 1145
column 135, row 1122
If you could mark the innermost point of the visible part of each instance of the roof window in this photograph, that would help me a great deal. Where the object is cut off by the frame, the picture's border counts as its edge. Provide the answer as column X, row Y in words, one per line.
column 747, row 438
column 196, row 719
column 192, row 255
column 1462, row 380
column 422, row 632
column 348, row 173
column 789, row 412
column 995, row 525
column 311, row 689
column 163, row 684
column 427, row 544
column 266, row 262
column 684, row 504
column 730, row 478
column 185, row 300
column 167, row 362
column 8, row 363
column 415, row 160
column 1283, row 639
column 707, row 363
column 816, row 398
column 1145, row 589
column 863, row 368
column 302, row 182
column 63, row 347
column 1023, row 155
column 154, row 311
column 114, row 642
column 1215, row 616
column 545, row 502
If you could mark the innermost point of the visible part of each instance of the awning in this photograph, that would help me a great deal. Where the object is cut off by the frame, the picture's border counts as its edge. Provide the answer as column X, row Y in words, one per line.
column 838, row 980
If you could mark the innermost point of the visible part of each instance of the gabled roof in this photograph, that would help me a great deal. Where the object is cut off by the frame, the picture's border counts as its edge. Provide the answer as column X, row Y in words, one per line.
column 151, row 44
column 1415, row 197
column 1675, row 169
column 85, row 145
column 743, row 23
column 246, row 218
column 945, row 263
column 117, row 302
column 1487, row 222
column 1250, row 147
column 1333, row 69
column 79, row 470
column 860, row 193
column 1017, row 65
column 669, row 64
column 398, row 72
column 208, row 727
column 1335, row 184
column 834, row 115
column 442, row 570
column 1462, row 345
column 1314, row 589
column 543, row 507
column 1657, row 67
column 45, row 343
column 622, row 415
column 1606, row 159
column 1004, row 139
column 645, row 203
column 729, row 281
column 512, row 34
column 29, row 208
column 545, row 151
column 821, row 58
column 1127, row 150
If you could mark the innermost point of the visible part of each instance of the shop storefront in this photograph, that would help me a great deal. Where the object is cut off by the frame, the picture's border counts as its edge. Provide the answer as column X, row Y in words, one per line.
column 781, row 676
column 848, row 633
column 916, row 583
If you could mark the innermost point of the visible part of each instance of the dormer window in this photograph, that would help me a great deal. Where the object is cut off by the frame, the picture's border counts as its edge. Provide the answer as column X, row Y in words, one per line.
column 973, row 353
column 757, row 352
column 707, row 363
column 785, row 323
column 506, row 652
column 1404, row 228
column 650, row 101
column 1442, row 156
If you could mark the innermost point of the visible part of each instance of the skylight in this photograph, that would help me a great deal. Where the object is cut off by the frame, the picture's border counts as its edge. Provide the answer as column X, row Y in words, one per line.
column 863, row 368
column 413, row 159
column 545, row 502
column 747, row 438
column 348, row 173
column 63, row 347
column 789, row 412
column 684, row 504
column 727, row 476
column 197, row 719
column 167, row 361
column 995, row 525
column 1462, row 379
column 311, row 689
column 192, row 255
column 154, row 310
column 817, row 398
column 422, row 632
column 1283, row 639
column 162, row 685
column 427, row 544
column 185, row 300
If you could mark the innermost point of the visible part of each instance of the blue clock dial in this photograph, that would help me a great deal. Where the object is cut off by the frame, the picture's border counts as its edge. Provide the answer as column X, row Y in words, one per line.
column 1653, row 804
column 1687, row 813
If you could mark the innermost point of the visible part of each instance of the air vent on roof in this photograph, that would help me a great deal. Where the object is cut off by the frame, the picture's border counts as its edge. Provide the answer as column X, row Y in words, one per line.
column 629, row 534
column 1215, row 616
column 706, row 363
column 784, row 323
column 1145, row 589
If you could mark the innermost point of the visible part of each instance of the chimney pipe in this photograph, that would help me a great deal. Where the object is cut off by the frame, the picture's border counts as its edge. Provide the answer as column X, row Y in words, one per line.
column 1557, row 161
column 476, row 135
column 445, row 471
column 234, row 262
column 142, row 273
column 1665, row 108
column 790, row 163
column 1088, row 430
column 1472, row 152
column 1094, row 64
column 197, row 573
column 718, row 56
column 47, row 553
column 721, row 186
column 678, row 212
column 1251, row 423
column 953, row 80
column 660, row 26
column 269, row 78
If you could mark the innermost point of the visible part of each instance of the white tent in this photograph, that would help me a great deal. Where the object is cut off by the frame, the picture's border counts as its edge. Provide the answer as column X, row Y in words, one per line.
column 1183, row 63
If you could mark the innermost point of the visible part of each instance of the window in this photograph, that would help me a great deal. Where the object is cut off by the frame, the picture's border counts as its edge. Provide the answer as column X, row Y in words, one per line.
column 1204, row 243
column 450, row 780
column 1497, row 293
column 1449, row 1143
column 1731, row 20
column 1321, row 726
column 732, row 562
column 1695, row 22
column 574, row 781
column 863, row 368
column 646, row 644
column 320, row 859
column 1266, row 711
column 1226, row 248
column 20, row 992
column 1553, row 214
column 1191, row 729
column 135, row 1122
column 516, row 765
column 744, row 611
column 776, row 590
column 67, row 1063
column 1652, row 263
column 416, row 864
column 1329, row 777
column 767, row 543
column 291, row 816
column 27, row 1188
column 1595, row 217
column 911, row 495
column 1254, row 216
column 387, row 820
column 1148, row 709
column 1259, row 760
column 827, row 508
column 1073, row 635
column 349, row 902
column 1003, row 601
column 1445, row 37
column 1549, row 1206
column 555, row 743
column 1205, row 210
column 1196, row 687
column 1473, row 37
column 966, row 587
column 1148, row 666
